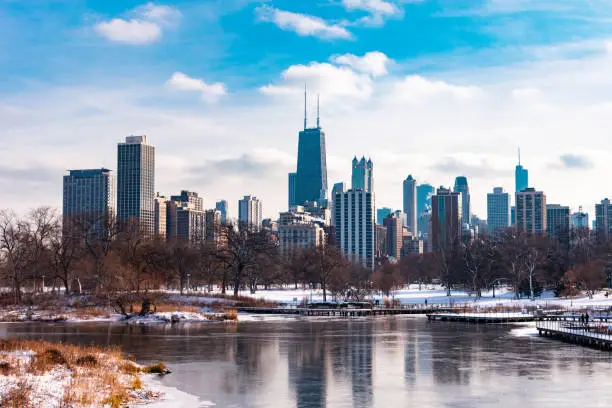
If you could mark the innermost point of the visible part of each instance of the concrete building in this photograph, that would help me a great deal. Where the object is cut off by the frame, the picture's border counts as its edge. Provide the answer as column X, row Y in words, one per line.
column 250, row 212
column 222, row 207
column 603, row 219
column 461, row 186
column 558, row 222
column 446, row 221
column 212, row 225
column 363, row 175
column 136, row 182
column 381, row 214
column 393, row 224
column 412, row 246
column 291, row 187
column 300, row 236
column 410, row 204
column 338, row 188
column 354, row 219
column 498, row 210
column 185, row 219
column 161, row 212
column 89, row 198
column 189, row 199
column 531, row 211
column 381, row 241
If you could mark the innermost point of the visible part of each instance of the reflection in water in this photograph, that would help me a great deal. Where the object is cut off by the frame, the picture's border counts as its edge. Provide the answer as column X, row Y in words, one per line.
column 355, row 363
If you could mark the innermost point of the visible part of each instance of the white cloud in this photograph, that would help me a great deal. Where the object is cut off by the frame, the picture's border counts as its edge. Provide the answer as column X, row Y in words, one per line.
column 303, row 25
column 378, row 10
column 373, row 63
column 209, row 92
column 415, row 89
column 145, row 25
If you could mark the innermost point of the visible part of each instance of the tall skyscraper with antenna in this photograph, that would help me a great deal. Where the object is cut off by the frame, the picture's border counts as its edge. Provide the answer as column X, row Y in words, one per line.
column 521, row 175
column 311, row 174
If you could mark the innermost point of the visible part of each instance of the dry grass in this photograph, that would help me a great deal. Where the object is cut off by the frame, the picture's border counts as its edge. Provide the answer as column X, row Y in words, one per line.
column 90, row 312
column 230, row 314
column 17, row 397
column 157, row 368
column 99, row 376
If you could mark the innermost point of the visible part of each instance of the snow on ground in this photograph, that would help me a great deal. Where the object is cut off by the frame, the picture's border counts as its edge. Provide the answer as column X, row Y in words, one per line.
column 168, row 317
column 436, row 295
column 172, row 397
column 524, row 330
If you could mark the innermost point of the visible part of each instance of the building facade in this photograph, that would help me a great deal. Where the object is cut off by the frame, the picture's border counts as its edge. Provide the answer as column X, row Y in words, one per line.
column 580, row 220
column 338, row 188
column 89, row 198
column 250, row 212
column 410, row 204
column 521, row 177
column 393, row 224
column 531, row 211
column 381, row 214
column 461, row 186
column 222, row 207
column 136, row 182
column 291, row 188
column 161, row 212
column 603, row 219
column 354, row 215
column 189, row 199
column 212, row 225
column 185, row 218
column 558, row 222
column 362, row 175
column 446, row 219
column 311, row 174
column 498, row 210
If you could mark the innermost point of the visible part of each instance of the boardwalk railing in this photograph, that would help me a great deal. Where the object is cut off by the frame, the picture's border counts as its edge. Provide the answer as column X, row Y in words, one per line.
column 594, row 332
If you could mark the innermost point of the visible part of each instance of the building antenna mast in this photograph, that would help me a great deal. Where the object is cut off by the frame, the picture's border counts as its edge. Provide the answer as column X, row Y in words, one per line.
column 519, row 156
column 318, row 116
column 305, row 112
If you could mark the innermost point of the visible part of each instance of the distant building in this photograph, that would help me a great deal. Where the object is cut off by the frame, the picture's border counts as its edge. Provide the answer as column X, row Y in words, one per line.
column 185, row 220
column 338, row 188
column 381, row 214
column 213, row 225
column 446, row 221
column 250, row 212
column 424, row 225
column 580, row 220
column 558, row 222
column 222, row 207
column 498, row 210
column 381, row 241
column 89, row 197
column 424, row 194
column 393, row 224
column 521, row 176
column 189, row 199
column 513, row 216
column 300, row 236
column 161, row 210
column 461, row 186
column 136, row 182
column 354, row 220
column 603, row 219
column 410, row 204
column 412, row 246
column 363, row 175
column 292, row 185
column 531, row 211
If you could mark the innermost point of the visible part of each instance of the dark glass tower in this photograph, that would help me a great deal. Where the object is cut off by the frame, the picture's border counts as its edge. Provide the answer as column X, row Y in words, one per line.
column 311, row 175
column 521, row 176
column 461, row 186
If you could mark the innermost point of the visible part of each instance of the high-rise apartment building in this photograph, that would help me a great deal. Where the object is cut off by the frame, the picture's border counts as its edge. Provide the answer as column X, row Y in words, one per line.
column 161, row 211
column 381, row 214
column 410, row 204
column 531, row 211
column 558, row 222
column 363, row 175
column 189, row 199
column 603, row 219
column 185, row 218
column 222, row 207
column 498, row 210
column 250, row 212
column 338, row 188
column 292, row 185
column 136, row 182
column 311, row 175
column 446, row 219
column 355, row 226
column 394, row 242
column 580, row 220
column 461, row 186
column 424, row 194
column 89, row 198
column 212, row 225
column 521, row 176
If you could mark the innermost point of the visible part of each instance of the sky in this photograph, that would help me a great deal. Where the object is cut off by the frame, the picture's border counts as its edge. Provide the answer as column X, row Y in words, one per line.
column 432, row 88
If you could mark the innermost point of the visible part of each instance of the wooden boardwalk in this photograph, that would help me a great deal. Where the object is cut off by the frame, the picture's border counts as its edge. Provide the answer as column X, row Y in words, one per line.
column 482, row 317
column 339, row 312
column 595, row 334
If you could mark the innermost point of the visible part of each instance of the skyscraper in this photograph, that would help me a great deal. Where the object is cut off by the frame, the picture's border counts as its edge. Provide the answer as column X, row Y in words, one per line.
column 136, row 182
column 311, row 175
column 394, row 240
column 338, row 188
column 161, row 212
column 603, row 219
column 185, row 218
column 291, row 188
column 362, row 176
column 461, row 186
column 355, row 226
column 89, row 197
column 521, row 175
column 222, row 207
column 498, row 210
column 410, row 204
column 381, row 214
column 189, row 199
column 250, row 212
column 213, row 225
column 424, row 194
column 446, row 213
column 558, row 222
column 580, row 220
column 531, row 211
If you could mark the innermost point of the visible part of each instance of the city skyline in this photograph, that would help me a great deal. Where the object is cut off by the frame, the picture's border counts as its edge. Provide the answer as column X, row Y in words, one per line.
column 224, row 126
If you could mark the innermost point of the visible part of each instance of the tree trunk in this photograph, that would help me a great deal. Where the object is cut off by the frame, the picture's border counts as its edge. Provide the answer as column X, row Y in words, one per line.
column 531, row 285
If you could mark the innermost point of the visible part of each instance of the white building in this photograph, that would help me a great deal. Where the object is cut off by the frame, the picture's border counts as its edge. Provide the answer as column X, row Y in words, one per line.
column 354, row 219
column 300, row 236
column 531, row 211
column 498, row 210
column 250, row 212
column 410, row 204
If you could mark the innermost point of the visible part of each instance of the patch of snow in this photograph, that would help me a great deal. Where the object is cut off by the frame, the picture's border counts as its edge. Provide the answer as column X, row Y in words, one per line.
column 525, row 330
column 172, row 397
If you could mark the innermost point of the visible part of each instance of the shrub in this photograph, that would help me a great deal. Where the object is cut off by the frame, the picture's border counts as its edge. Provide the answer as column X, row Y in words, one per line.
column 231, row 314
column 18, row 397
column 158, row 368
column 128, row 368
column 88, row 360
column 5, row 368
column 54, row 356
column 137, row 383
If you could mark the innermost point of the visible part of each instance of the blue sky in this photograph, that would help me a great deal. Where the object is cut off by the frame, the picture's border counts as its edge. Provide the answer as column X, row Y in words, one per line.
column 435, row 88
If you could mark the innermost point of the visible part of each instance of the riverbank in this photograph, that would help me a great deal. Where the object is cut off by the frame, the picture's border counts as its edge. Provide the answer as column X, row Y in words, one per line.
column 38, row 374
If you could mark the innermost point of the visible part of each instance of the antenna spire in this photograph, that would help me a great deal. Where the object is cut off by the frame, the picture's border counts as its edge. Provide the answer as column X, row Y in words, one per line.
column 305, row 111
column 318, row 116
column 519, row 156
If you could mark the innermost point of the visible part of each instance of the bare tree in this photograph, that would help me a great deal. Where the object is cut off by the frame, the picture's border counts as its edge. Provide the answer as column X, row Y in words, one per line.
column 322, row 262
column 14, row 253
column 588, row 277
column 41, row 225
column 65, row 251
column 387, row 278
column 476, row 257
